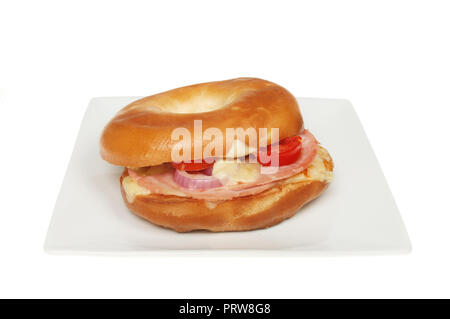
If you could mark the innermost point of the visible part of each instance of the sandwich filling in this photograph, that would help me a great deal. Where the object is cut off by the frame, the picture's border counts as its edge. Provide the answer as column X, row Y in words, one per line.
column 227, row 179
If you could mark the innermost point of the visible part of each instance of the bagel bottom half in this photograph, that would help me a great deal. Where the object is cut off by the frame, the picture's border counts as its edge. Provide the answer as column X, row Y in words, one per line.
column 262, row 210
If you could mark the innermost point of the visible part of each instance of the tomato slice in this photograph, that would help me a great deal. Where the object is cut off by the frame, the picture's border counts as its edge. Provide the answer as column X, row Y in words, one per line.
column 288, row 150
column 191, row 166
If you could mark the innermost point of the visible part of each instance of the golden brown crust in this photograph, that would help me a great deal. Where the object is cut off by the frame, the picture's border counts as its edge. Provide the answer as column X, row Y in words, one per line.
column 244, row 213
column 140, row 134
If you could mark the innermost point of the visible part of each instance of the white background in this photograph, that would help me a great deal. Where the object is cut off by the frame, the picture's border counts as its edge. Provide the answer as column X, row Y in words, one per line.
column 390, row 58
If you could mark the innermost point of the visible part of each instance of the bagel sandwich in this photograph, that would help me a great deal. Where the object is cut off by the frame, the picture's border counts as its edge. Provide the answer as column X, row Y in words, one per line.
column 241, row 181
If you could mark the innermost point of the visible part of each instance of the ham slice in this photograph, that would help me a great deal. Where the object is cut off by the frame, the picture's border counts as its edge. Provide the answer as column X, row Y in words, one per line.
column 164, row 183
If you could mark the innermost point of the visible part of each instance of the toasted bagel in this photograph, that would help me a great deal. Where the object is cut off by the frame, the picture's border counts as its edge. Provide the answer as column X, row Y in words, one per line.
column 262, row 210
column 140, row 134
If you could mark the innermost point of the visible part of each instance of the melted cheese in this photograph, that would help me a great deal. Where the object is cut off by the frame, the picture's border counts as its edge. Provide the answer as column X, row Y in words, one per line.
column 239, row 149
column 133, row 189
column 316, row 171
column 233, row 172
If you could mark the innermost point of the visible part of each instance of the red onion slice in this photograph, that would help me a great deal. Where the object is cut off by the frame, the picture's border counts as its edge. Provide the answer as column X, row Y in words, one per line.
column 208, row 171
column 195, row 181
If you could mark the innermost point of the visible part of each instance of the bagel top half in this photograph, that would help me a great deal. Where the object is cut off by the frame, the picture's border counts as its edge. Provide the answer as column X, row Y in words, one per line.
column 140, row 134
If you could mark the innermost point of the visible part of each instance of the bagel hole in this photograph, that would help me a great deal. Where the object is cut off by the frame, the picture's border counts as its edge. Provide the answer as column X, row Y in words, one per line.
column 198, row 104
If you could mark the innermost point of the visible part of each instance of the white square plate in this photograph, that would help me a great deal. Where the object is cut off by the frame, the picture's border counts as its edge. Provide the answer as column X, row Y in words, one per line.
column 355, row 215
